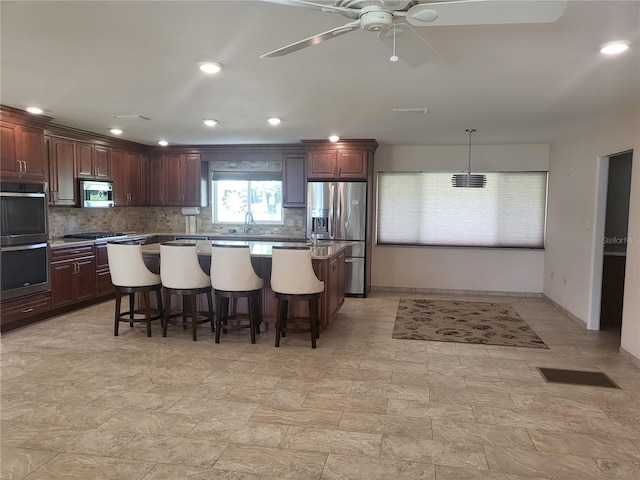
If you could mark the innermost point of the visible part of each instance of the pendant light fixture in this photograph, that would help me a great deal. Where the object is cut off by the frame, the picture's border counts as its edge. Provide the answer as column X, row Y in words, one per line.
column 469, row 180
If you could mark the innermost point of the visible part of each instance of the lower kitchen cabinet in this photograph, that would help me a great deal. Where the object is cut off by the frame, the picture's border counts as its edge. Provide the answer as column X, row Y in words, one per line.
column 18, row 312
column 103, row 276
column 73, row 275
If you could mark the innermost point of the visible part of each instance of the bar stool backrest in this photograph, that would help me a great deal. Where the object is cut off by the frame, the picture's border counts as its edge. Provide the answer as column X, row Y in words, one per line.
column 180, row 268
column 231, row 269
column 127, row 266
column 292, row 272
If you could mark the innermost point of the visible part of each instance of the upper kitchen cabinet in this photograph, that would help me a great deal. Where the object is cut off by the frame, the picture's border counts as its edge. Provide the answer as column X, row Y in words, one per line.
column 23, row 151
column 294, row 181
column 94, row 161
column 175, row 179
column 130, row 175
column 62, row 171
column 344, row 160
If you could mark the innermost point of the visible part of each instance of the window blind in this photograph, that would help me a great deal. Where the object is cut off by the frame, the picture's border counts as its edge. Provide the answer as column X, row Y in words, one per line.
column 422, row 208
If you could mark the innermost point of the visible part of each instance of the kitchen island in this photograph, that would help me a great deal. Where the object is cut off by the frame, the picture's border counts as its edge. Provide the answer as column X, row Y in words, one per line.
column 328, row 262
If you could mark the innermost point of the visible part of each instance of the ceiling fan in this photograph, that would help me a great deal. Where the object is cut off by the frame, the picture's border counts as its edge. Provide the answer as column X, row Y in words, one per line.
column 394, row 20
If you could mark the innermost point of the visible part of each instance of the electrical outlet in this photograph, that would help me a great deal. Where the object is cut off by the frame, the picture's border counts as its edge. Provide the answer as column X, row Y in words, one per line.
column 298, row 223
column 289, row 222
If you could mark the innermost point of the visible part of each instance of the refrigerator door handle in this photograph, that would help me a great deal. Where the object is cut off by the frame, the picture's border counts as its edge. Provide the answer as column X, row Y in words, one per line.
column 332, row 217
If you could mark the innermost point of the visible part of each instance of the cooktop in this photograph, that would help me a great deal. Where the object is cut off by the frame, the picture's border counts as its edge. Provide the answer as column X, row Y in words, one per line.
column 94, row 235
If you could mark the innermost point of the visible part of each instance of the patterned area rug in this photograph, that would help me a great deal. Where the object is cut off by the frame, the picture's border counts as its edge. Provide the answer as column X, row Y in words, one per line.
column 463, row 322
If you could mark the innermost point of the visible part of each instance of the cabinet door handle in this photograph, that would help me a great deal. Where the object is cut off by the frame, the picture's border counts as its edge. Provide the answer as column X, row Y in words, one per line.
column 27, row 310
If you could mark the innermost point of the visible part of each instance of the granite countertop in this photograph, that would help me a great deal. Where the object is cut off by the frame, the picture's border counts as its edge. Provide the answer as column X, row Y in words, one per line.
column 61, row 241
column 257, row 248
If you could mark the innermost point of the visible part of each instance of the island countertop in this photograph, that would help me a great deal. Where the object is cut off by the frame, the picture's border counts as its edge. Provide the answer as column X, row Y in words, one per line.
column 322, row 250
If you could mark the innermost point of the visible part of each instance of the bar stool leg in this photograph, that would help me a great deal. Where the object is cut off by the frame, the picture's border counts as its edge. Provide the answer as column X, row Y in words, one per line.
column 221, row 307
column 131, row 308
column 166, row 312
column 146, row 304
column 252, row 318
column 313, row 319
column 211, row 314
column 191, row 299
column 117, row 315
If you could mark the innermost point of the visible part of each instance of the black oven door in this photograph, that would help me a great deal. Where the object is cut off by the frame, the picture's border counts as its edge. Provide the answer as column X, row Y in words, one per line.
column 25, row 270
column 23, row 207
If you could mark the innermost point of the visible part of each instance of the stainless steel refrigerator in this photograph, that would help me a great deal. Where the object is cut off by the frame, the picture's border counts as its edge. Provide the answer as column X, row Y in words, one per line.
column 337, row 211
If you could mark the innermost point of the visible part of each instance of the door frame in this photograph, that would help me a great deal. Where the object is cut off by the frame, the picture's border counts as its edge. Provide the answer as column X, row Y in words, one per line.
column 597, row 257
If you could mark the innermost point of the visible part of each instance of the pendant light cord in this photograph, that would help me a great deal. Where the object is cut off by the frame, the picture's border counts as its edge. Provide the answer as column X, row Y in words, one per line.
column 470, row 131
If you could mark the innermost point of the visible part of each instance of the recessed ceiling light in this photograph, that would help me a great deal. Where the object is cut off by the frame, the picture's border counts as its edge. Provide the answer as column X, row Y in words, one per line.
column 613, row 48
column 210, row 67
column 34, row 110
column 209, row 122
column 163, row 143
column 334, row 138
column 274, row 120
column 116, row 131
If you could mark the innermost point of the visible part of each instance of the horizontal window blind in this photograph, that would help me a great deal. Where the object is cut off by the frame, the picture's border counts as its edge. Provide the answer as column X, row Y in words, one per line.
column 421, row 208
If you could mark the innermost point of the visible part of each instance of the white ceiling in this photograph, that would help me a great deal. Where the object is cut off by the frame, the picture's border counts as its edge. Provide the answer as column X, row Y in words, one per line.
column 85, row 61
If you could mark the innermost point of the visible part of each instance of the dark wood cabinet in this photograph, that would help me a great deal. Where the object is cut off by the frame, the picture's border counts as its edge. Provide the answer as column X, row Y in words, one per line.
column 346, row 160
column 335, row 281
column 19, row 312
column 129, row 172
column 294, row 181
column 175, row 179
column 157, row 180
column 73, row 275
column 103, row 276
column 93, row 161
column 62, row 171
column 23, row 153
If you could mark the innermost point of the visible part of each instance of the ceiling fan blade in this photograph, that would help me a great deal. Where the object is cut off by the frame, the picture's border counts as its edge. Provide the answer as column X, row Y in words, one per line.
column 308, row 42
column 315, row 5
column 485, row 12
column 411, row 48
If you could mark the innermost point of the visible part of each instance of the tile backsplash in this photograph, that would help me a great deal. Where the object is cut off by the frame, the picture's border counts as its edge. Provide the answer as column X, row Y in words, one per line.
column 64, row 220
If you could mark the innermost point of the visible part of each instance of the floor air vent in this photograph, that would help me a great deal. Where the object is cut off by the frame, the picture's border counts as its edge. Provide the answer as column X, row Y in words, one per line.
column 577, row 377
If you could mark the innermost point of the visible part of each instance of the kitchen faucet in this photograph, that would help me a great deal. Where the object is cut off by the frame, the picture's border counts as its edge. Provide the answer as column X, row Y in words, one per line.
column 248, row 221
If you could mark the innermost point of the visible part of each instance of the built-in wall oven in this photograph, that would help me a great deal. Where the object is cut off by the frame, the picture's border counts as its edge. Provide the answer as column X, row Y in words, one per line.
column 24, row 239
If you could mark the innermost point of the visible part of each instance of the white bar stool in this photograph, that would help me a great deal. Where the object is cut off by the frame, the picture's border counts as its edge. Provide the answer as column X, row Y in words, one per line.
column 130, row 275
column 232, row 277
column 293, row 278
column 182, row 275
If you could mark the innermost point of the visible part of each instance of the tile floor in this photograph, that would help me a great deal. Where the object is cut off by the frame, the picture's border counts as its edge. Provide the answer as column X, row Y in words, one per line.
column 79, row 403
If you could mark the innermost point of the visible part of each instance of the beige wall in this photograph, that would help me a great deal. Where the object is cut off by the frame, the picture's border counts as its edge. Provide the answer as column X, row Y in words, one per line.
column 463, row 269
column 573, row 241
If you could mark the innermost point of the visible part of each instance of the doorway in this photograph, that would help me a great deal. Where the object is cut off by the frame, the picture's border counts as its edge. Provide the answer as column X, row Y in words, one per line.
column 616, row 223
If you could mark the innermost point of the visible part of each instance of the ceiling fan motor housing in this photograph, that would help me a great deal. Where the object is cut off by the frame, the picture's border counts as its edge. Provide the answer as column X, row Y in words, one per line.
column 375, row 19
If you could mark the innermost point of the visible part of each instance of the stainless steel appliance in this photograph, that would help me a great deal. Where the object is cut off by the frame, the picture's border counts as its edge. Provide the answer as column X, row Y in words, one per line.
column 25, row 270
column 95, row 193
column 23, row 207
column 337, row 211
column 24, row 246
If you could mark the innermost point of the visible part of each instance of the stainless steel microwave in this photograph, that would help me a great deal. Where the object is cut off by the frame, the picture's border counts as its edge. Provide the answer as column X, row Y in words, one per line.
column 95, row 194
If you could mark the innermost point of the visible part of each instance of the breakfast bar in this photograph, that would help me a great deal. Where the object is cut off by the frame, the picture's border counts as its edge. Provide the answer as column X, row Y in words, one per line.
column 328, row 260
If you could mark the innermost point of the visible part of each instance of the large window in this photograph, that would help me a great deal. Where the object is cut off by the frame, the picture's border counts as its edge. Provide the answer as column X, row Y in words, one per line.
column 417, row 208
column 234, row 196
